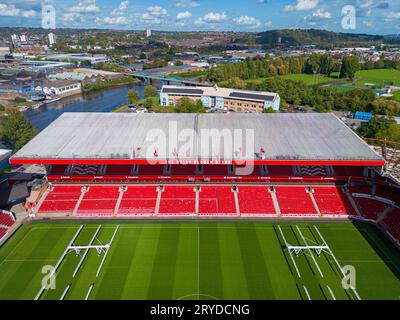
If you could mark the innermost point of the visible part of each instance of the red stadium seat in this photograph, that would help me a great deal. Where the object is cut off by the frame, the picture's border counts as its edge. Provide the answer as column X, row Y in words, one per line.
column 62, row 199
column 6, row 218
column 216, row 200
column 370, row 208
column 99, row 200
column 392, row 223
column 177, row 200
column 3, row 232
column 255, row 200
column 295, row 201
column 138, row 200
column 331, row 200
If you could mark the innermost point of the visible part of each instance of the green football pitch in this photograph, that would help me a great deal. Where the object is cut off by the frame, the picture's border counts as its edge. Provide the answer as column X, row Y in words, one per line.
column 198, row 260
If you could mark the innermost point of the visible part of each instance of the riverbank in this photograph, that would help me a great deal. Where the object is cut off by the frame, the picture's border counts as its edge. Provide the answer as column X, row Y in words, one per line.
column 105, row 100
column 109, row 84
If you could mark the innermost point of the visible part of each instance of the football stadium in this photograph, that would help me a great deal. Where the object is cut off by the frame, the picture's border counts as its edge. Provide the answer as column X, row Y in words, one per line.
column 203, row 207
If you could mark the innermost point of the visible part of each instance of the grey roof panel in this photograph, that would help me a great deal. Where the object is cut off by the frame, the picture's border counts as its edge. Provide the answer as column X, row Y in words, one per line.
column 290, row 136
column 182, row 91
column 251, row 96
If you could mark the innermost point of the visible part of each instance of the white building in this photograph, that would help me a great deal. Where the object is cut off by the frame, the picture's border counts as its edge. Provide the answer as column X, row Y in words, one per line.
column 148, row 33
column 59, row 87
column 52, row 38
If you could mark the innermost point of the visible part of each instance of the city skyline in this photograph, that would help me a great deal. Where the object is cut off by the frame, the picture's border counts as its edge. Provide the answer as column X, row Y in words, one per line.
column 371, row 16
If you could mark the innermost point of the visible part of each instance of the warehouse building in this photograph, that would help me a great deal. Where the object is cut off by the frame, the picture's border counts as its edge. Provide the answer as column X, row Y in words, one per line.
column 222, row 98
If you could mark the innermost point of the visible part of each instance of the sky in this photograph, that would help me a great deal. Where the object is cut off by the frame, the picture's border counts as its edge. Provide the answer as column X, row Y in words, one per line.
column 367, row 16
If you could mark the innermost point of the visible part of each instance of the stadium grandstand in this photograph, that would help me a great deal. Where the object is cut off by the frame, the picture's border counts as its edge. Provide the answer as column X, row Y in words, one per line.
column 209, row 166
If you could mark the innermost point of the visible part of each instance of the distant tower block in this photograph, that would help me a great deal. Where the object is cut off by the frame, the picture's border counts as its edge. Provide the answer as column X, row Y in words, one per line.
column 52, row 39
column 148, row 33
column 279, row 40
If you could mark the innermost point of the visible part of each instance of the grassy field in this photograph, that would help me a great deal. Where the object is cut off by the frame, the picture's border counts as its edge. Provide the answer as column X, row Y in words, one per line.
column 396, row 95
column 379, row 77
column 198, row 260
column 306, row 78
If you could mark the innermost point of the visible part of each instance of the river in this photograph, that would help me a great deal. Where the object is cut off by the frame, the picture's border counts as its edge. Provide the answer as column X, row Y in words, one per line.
column 105, row 100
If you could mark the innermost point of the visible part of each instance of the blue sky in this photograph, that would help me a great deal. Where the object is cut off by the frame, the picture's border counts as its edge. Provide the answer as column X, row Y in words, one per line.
column 372, row 16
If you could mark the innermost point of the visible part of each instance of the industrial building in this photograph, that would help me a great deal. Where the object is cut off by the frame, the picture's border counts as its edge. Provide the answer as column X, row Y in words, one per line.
column 222, row 98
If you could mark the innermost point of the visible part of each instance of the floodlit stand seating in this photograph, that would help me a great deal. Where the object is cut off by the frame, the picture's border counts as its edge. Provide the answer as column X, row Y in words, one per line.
column 3, row 232
column 388, row 193
column 215, row 170
column 392, row 223
column 346, row 171
column 370, row 208
column 151, row 170
column 216, row 200
column 280, row 171
column 295, row 200
column 84, row 170
column 61, row 199
column 138, row 200
column 255, row 200
column 118, row 170
column 99, row 200
column 332, row 200
column 6, row 218
column 312, row 171
column 177, row 200
column 58, row 170
column 183, row 170
column 361, row 188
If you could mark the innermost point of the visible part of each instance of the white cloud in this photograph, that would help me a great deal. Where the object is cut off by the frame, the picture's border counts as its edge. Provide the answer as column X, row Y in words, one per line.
column 302, row 5
column 321, row 14
column 393, row 15
column 154, row 15
column 183, row 15
column 268, row 24
column 248, row 21
column 120, row 20
column 11, row 10
column 186, row 4
column 121, row 8
column 85, row 6
column 212, row 17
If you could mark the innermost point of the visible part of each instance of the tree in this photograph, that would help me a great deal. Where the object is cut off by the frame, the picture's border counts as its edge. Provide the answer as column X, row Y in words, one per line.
column 16, row 131
column 179, row 63
column 186, row 105
column 235, row 83
column 133, row 96
column 150, row 91
column 350, row 65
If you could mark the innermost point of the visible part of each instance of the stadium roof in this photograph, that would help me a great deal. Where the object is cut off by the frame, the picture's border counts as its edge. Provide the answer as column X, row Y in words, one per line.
column 127, row 138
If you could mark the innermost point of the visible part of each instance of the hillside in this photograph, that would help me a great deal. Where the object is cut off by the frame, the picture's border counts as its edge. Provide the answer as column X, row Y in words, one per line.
column 320, row 38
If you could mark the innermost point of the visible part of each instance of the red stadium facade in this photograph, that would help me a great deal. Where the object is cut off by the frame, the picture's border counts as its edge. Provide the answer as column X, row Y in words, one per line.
column 342, row 180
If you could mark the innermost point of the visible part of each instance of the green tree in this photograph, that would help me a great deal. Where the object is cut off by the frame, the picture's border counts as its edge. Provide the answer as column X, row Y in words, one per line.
column 235, row 83
column 350, row 65
column 133, row 96
column 150, row 91
column 16, row 131
column 186, row 105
